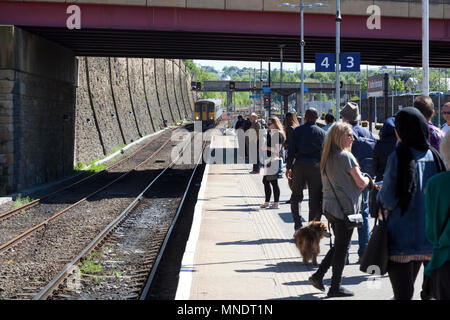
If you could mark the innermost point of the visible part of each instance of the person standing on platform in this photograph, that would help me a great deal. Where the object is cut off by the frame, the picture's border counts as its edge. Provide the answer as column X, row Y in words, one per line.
column 290, row 123
column 302, row 166
column 437, row 227
column 402, row 196
column 343, row 183
column 362, row 149
column 256, row 127
column 426, row 107
column 273, row 146
column 446, row 114
column 383, row 148
column 329, row 120
column 239, row 123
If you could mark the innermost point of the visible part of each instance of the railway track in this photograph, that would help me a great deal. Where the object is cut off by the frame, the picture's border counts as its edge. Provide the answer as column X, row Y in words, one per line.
column 128, row 251
column 35, row 202
column 59, row 239
column 37, row 214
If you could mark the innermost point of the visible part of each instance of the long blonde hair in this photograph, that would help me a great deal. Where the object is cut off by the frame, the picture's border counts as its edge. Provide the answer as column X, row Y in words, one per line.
column 278, row 126
column 334, row 142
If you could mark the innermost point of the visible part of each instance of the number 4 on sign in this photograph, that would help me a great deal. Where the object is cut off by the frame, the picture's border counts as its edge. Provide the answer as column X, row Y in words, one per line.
column 325, row 62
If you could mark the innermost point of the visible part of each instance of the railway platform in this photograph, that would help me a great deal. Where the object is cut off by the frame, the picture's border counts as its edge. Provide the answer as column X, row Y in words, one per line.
column 238, row 251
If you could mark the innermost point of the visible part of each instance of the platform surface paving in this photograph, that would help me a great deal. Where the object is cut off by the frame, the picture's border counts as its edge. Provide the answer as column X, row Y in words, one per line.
column 238, row 251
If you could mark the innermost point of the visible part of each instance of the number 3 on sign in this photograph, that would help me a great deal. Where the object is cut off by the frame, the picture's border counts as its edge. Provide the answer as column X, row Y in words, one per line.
column 350, row 62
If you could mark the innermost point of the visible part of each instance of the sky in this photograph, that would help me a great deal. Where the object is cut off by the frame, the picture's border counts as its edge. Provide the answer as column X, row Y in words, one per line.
column 219, row 64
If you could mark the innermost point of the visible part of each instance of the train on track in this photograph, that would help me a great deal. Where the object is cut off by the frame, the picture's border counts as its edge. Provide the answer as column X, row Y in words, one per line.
column 208, row 111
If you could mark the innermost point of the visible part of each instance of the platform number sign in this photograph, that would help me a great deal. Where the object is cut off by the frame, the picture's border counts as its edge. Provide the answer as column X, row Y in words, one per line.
column 350, row 62
column 325, row 62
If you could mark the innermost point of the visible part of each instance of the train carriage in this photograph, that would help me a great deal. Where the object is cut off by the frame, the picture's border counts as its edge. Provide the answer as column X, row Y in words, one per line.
column 208, row 111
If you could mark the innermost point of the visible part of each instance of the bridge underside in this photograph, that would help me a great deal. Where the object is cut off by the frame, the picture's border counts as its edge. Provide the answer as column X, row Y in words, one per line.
column 244, row 47
column 164, row 32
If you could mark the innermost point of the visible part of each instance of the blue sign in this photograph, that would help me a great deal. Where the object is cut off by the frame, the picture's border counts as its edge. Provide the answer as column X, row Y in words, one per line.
column 350, row 62
column 265, row 89
column 306, row 89
column 325, row 62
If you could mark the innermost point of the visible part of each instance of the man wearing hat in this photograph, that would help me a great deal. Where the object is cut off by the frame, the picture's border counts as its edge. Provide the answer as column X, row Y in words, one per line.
column 362, row 149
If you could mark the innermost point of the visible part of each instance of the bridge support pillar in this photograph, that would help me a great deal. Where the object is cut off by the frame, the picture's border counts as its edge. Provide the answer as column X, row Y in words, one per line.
column 229, row 101
column 285, row 105
column 37, row 110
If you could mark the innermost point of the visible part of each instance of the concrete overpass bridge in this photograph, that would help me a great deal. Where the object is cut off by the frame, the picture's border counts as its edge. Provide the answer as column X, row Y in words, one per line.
column 285, row 89
column 236, row 30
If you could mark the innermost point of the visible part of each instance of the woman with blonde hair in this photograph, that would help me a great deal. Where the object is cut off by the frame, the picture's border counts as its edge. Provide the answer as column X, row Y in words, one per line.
column 342, row 183
column 274, row 143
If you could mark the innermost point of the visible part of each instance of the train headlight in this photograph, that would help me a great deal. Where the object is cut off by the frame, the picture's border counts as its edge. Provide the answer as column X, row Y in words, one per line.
column 197, row 118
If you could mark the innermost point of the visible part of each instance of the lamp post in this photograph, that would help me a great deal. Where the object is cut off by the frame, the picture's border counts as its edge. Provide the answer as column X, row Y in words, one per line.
column 338, row 58
column 281, row 79
column 425, row 47
column 302, row 46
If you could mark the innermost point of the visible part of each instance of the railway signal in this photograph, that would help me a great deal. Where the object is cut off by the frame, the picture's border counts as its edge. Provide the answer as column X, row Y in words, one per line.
column 199, row 86
column 232, row 86
column 266, row 101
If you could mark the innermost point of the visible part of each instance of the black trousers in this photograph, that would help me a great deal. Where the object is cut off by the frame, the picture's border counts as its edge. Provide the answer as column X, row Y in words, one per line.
column 403, row 276
column 268, row 190
column 335, row 257
column 440, row 279
column 304, row 172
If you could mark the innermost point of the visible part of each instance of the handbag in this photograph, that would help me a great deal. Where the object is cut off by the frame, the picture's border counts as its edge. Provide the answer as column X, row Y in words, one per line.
column 376, row 256
column 267, row 166
column 351, row 220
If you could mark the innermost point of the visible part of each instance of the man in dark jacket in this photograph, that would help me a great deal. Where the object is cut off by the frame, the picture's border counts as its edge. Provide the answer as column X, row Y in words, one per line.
column 302, row 165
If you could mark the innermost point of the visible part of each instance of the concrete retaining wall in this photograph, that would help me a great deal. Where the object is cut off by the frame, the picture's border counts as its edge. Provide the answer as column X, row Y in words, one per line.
column 128, row 98
column 161, row 88
column 88, row 144
column 57, row 110
column 151, row 93
column 178, row 88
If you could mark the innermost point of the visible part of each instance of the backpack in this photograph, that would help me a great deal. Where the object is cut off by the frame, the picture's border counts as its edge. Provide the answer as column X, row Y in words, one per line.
column 362, row 149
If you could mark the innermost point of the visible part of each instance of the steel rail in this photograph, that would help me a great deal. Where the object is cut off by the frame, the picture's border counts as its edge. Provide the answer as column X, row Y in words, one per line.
column 149, row 282
column 21, row 236
column 36, row 201
column 68, row 268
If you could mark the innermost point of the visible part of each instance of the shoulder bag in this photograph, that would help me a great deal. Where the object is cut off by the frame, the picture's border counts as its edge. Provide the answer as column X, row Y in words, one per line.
column 351, row 219
column 376, row 256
